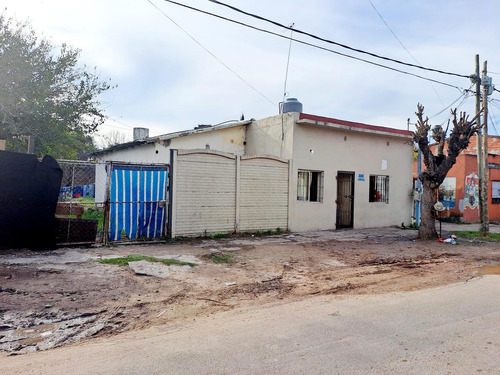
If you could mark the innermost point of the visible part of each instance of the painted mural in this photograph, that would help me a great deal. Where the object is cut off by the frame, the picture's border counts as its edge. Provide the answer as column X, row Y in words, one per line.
column 447, row 192
column 471, row 191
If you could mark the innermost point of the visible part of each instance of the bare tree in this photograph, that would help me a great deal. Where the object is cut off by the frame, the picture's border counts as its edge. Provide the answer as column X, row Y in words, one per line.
column 437, row 165
column 113, row 137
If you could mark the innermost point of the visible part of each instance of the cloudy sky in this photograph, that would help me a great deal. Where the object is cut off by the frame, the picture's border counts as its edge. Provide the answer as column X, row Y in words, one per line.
column 176, row 68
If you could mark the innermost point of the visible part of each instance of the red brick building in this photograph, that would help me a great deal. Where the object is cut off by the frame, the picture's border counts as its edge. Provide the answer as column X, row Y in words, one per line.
column 459, row 191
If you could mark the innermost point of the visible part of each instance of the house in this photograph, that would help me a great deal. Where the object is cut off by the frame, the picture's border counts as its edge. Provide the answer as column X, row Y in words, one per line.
column 336, row 174
column 459, row 191
column 344, row 174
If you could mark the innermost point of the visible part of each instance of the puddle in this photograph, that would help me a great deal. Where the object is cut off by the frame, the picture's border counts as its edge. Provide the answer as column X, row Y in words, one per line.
column 492, row 269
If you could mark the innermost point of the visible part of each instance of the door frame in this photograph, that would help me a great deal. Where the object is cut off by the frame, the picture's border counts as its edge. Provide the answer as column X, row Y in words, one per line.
column 351, row 194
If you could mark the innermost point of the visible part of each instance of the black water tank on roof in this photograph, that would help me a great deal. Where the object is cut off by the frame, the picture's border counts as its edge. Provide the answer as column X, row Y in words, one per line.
column 292, row 105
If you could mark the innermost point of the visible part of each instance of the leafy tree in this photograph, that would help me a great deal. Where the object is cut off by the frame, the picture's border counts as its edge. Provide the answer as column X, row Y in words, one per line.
column 437, row 165
column 46, row 95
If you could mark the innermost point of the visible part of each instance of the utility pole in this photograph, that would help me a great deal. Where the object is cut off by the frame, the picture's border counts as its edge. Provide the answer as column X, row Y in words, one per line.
column 479, row 140
column 485, row 219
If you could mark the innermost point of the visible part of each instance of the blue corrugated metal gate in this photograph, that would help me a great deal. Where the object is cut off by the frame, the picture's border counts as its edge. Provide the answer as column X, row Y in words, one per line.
column 137, row 200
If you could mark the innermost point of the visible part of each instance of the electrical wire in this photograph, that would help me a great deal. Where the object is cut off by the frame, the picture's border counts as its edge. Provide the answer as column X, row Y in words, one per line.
column 212, row 54
column 491, row 120
column 404, row 47
column 332, row 42
column 314, row 45
column 464, row 96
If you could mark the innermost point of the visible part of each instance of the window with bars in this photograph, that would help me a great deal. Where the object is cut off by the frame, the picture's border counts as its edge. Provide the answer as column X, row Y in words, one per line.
column 379, row 189
column 310, row 186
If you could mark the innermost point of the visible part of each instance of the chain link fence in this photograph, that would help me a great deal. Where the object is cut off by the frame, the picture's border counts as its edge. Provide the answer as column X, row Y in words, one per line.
column 79, row 216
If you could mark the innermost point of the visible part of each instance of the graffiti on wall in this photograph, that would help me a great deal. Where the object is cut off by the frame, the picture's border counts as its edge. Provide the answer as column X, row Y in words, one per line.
column 447, row 192
column 471, row 191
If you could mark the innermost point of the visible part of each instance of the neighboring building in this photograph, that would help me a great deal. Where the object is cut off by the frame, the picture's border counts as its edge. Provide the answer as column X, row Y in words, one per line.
column 459, row 192
column 341, row 174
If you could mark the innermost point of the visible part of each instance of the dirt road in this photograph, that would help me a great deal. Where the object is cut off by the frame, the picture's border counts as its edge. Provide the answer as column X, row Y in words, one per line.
column 49, row 299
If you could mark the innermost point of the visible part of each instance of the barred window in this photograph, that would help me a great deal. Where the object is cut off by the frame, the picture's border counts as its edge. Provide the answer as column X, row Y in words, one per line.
column 379, row 189
column 310, row 186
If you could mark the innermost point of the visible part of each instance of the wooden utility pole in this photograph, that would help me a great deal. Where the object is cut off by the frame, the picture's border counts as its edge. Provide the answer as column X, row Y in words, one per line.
column 485, row 219
column 479, row 140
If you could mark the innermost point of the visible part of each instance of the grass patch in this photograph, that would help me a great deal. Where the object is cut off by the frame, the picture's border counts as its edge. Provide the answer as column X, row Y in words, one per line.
column 220, row 235
column 123, row 261
column 95, row 214
column 222, row 258
column 474, row 235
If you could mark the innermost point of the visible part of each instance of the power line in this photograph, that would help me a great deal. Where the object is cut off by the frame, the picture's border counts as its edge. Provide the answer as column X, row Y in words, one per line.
column 404, row 47
column 313, row 45
column 491, row 120
column 335, row 43
column 464, row 97
column 211, row 54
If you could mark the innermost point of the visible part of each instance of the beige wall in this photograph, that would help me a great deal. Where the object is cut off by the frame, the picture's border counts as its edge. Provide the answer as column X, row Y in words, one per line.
column 264, row 137
column 359, row 152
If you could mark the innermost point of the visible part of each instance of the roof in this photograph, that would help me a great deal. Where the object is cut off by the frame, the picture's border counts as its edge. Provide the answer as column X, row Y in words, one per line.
column 164, row 137
column 305, row 118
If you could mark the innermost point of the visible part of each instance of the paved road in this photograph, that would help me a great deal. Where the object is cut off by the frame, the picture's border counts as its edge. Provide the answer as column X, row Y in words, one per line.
column 448, row 330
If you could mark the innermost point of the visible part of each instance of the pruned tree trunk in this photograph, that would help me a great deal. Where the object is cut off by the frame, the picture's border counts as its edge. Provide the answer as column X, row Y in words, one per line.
column 437, row 165
column 427, row 228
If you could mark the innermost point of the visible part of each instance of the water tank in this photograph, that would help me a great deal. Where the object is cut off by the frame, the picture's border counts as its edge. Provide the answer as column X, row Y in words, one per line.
column 291, row 105
column 140, row 134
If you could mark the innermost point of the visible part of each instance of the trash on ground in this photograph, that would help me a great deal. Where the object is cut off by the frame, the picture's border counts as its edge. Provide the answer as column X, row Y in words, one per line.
column 231, row 283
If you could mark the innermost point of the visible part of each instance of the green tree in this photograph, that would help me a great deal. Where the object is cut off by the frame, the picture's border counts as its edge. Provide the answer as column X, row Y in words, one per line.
column 46, row 95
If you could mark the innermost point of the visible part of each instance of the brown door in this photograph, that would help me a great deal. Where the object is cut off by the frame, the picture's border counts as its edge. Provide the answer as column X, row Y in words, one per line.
column 345, row 200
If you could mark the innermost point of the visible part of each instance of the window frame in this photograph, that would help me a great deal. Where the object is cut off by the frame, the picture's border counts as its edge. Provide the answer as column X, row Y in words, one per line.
column 305, row 185
column 495, row 197
column 378, row 189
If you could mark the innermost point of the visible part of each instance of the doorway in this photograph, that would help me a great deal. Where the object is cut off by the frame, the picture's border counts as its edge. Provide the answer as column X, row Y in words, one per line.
column 345, row 200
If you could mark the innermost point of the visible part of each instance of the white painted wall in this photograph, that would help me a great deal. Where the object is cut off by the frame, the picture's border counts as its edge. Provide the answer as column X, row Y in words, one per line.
column 359, row 152
column 231, row 140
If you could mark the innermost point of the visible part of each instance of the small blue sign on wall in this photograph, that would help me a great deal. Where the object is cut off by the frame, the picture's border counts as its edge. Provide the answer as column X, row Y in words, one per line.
column 361, row 177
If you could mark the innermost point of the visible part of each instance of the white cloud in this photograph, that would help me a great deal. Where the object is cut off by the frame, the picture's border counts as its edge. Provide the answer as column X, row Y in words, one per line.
column 168, row 82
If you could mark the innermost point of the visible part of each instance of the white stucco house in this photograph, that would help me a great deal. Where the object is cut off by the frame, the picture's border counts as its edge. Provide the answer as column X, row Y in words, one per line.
column 341, row 174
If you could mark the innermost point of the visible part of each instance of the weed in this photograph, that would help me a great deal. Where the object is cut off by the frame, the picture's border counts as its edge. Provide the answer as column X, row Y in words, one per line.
column 222, row 258
column 268, row 232
column 470, row 234
column 94, row 214
column 123, row 261
column 220, row 235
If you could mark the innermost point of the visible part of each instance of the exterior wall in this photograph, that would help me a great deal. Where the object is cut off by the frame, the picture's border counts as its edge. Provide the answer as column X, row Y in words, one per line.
column 272, row 136
column 465, row 166
column 330, row 150
column 227, row 140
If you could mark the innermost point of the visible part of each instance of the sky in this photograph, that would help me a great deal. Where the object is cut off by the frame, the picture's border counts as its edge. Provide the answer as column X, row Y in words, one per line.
column 176, row 68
